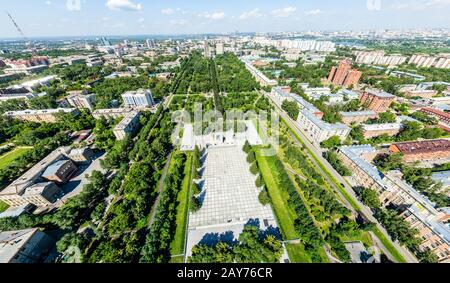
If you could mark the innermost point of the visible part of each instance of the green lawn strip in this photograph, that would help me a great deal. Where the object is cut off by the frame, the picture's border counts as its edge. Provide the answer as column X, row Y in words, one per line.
column 177, row 259
column 363, row 237
column 297, row 253
column 3, row 206
column 387, row 244
column 336, row 183
column 285, row 215
column 10, row 156
column 177, row 245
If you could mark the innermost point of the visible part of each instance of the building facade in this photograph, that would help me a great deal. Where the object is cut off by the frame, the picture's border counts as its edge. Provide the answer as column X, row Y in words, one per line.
column 344, row 74
column 423, row 151
column 377, row 101
column 140, row 99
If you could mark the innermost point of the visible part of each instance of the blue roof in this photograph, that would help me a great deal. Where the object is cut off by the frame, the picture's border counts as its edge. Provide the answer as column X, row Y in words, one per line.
column 52, row 169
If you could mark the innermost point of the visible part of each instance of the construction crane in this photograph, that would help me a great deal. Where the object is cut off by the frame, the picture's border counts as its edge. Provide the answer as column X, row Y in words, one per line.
column 22, row 33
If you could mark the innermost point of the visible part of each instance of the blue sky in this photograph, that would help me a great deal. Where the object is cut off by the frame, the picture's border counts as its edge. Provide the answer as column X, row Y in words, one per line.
column 122, row 17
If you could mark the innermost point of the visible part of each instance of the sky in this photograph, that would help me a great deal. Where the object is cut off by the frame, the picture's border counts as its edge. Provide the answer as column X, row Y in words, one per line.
column 146, row 17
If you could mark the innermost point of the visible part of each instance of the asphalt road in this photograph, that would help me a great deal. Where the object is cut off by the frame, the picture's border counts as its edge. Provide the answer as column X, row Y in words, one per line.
column 365, row 211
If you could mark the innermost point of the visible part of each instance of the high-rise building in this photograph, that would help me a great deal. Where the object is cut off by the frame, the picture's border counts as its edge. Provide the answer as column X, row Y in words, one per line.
column 151, row 43
column 220, row 49
column 80, row 100
column 105, row 42
column 344, row 74
column 377, row 101
column 140, row 98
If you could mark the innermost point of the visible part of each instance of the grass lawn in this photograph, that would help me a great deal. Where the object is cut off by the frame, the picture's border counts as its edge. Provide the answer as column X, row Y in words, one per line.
column 3, row 206
column 177, row 245
column 285, row 215
column 336, row 183
column 297, row 253
column 10, row 156
column 389, row 246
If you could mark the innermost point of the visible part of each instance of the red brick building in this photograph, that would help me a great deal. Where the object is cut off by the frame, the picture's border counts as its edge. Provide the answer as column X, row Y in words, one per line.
column 440, row 115
column 431, row 150
column 344, row 74
column 377, row 101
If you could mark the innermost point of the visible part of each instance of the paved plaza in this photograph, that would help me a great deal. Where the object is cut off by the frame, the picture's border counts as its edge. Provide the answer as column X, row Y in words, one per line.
column 229, row 192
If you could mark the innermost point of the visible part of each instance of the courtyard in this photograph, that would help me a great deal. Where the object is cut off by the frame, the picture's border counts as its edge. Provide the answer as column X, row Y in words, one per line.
column 229, row 199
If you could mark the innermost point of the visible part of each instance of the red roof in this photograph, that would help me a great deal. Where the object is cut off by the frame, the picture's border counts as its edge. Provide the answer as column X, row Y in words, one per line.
column 436, row 112
column 423, row 146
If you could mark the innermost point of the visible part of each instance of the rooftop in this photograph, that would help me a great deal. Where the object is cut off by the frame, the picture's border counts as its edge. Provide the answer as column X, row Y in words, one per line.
column 423, row 146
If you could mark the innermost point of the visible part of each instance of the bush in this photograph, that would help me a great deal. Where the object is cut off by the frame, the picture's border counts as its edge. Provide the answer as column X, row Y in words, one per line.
column 251, row 157
column 247, row 147
column 254, row 168
column 195, row 204
column 259, row 182
column 264, row 198
column 195, row 189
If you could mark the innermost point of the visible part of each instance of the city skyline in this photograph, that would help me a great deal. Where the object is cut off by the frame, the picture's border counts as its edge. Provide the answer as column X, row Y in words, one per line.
column 137, row 17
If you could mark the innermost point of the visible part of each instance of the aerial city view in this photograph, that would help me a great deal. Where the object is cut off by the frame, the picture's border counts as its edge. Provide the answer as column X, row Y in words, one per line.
column 218, row 132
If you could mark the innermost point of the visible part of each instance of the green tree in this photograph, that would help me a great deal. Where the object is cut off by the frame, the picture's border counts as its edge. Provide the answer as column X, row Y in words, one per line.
column 370, row 198
column 332, row 142
column 291, row 108
column 264, row 198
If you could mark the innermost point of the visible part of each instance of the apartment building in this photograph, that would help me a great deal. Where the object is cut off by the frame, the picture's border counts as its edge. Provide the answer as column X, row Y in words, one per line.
column 376, row 100
column 425, row 61
column 375, row 130
column 420, row 93
column 319, row 130
column 358, row 117
column 127, row 126
column 423, row 151
column 112, row 113
column 344, row 74
column 379, row 58
column 141, row 98
column 440, row 115
column 39, row 116
column 434, row 236
column 81, row 100
column 392, row 190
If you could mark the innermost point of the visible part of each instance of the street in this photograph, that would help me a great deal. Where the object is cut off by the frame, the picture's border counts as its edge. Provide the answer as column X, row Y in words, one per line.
column 364, row 210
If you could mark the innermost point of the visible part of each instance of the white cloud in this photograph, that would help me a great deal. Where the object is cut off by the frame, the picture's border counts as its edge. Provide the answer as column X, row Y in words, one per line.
column 212, row 16
column 123, row 5
column 419, row 4
column 284, row 13
column 314, row 12
column 141, row 20
column 179, row 22
column 73, row 5
column 251, row 14
column 48, row 2
column 168, row 11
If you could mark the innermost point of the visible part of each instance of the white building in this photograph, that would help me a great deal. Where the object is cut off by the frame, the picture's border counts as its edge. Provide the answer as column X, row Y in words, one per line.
column 318, row 130
column 127, row 126
column 257, row 74
column 80, row 100
column 141, row 98
column 39, row 116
